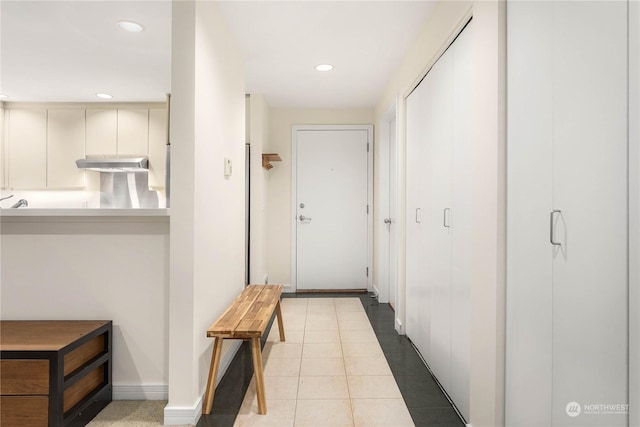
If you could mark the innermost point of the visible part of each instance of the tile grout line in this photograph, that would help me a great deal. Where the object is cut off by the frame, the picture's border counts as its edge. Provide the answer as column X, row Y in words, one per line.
column 353, row 417
column 304, row 332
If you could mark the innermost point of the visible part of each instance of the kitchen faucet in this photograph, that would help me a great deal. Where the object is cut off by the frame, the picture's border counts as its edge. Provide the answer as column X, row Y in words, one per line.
column 21, row 202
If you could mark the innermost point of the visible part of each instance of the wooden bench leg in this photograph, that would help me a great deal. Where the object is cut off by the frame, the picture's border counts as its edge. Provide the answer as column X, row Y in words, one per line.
column 213, row 374
column 258, row 375
column 280, row 323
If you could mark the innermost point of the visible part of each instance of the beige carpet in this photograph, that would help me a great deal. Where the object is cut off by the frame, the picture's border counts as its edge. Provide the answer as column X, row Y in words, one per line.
column 131, row 413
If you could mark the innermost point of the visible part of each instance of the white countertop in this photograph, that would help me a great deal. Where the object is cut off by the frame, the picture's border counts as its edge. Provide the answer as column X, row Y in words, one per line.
column 30, row 213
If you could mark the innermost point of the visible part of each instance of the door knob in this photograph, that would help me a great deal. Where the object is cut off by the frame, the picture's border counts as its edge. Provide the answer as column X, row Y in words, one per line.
column 387, row 220
column 304, row 218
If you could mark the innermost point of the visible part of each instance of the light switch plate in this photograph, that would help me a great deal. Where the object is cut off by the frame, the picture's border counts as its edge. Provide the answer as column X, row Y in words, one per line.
column 227, row 167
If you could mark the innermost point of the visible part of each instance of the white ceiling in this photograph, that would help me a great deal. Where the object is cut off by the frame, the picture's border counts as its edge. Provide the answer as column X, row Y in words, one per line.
column 284, row 40
column 70, row 50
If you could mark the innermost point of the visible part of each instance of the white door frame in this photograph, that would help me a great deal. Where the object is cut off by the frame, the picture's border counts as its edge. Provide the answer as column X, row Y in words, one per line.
column 383, row 204
column 294, row 222
column 634, row 213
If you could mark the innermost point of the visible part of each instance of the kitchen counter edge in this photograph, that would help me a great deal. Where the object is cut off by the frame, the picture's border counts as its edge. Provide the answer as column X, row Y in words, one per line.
column 10, row 214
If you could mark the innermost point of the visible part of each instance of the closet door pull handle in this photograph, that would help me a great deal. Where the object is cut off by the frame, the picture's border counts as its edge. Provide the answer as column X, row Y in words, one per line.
column 444, row 218
column 551, row 228
column 418, row 216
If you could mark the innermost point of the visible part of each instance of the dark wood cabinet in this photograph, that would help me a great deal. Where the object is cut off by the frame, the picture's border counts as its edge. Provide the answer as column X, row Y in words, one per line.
column 54, row 373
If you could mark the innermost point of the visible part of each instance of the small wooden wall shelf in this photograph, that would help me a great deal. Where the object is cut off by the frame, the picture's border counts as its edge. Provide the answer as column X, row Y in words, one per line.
column 267, row 158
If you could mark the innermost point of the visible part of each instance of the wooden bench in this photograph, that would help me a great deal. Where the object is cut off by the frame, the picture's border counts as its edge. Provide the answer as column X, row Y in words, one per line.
column 246, row 319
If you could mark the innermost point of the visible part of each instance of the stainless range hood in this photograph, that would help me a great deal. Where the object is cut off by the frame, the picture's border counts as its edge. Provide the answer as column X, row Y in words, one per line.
column 130, row 164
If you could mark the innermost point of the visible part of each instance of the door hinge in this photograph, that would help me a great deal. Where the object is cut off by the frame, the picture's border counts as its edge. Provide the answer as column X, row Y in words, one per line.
column 367, row 209
column 367, row 271
column 367, row 147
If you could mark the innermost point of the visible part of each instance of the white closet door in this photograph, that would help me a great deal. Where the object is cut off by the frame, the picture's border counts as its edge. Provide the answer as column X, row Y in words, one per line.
column 567, row 151
column 418, row 320
column 590, row 188
column 529, row 188
column 438, row 216
column 461, row 218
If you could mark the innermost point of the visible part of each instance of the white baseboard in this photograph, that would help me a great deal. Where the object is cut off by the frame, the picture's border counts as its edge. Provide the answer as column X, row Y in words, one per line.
column 140, row 392
column 376, row 291
column 180, row 415
column 399, row 327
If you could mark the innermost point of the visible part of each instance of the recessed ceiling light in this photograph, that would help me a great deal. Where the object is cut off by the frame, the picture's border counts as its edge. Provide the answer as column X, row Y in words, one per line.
column 130, row 26
column 324, row 67
column 104, row 95
column 3, row 96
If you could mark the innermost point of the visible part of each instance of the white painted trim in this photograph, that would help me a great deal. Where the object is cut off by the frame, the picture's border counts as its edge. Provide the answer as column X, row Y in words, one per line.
column 455, row 32
column 634, row 213
column 399, row 327
column 140, row 392
column 376, row 291
column 182, row 415
column 294, row 161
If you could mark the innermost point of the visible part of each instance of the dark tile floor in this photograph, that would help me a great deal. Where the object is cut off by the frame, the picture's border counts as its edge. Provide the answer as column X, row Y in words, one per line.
column 427, row 404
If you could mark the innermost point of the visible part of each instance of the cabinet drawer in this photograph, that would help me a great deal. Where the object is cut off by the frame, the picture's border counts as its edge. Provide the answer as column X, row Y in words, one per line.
column 18, row 377
column 81, row 355
column 24, row 411
column 83, row 388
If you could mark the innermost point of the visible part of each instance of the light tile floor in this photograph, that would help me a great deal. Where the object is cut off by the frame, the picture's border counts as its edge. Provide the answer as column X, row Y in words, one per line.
column 331, row 371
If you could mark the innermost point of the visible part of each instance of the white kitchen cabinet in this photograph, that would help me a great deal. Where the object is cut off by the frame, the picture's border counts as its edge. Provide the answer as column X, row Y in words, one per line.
column 133, row 132
column 439, row 218
column 40, row 146
column 157, row 147
column 567, row 234
column 65, row 145
column 27, row 149
column 102, row 132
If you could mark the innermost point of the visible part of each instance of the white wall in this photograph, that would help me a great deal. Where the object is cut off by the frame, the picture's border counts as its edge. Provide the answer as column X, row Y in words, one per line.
column 259, row 139
column 107, row 269
column 487, row 299
column 207, row 215
column 279, row 200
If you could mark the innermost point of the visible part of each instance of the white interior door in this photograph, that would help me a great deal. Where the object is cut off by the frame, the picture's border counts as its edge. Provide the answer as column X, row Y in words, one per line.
column 528, row 385
column 393, row 225
column 567, row 306
column 590, row 323
column 332, row 209
column 438, row 217
column 418, row 294
column 461, row 220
